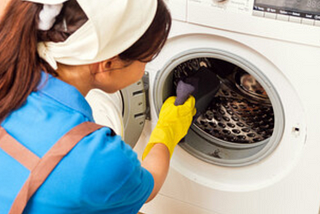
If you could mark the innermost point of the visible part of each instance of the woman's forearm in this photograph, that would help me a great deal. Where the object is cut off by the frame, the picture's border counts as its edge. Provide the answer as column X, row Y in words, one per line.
column 157, row 163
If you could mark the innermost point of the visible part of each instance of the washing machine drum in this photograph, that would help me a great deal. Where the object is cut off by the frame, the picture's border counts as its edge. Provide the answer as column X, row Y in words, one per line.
column 240, row 112
column 239, row 120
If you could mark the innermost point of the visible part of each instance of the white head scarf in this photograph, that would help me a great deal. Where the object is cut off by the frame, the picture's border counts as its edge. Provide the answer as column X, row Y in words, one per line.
column 112, row 27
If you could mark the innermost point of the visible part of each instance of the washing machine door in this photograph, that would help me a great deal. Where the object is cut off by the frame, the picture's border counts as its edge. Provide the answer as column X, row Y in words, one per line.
column 123, row 111
column 253, row 132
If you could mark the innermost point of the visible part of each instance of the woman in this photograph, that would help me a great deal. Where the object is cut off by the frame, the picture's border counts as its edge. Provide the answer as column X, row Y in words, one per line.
column 53, row 158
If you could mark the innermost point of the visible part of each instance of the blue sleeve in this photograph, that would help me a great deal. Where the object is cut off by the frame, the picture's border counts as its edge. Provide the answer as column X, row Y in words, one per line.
column 133, row 193
column 115, row 182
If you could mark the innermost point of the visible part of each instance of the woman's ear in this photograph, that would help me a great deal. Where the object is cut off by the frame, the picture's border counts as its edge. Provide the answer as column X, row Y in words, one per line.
column 109, row 64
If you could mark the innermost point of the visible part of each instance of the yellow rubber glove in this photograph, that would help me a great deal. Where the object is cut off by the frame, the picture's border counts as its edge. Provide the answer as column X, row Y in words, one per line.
column 173, row 124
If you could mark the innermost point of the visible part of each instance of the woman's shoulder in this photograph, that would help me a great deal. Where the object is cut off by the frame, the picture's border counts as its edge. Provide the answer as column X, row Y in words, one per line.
column 105, row 153
column 104, row 142
column 104, row 164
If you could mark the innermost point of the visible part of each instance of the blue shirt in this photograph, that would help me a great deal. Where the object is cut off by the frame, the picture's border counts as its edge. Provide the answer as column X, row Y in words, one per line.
column 101, row 174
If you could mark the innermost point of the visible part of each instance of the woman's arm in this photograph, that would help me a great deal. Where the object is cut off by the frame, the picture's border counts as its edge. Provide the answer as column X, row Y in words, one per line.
column 157, row 163
column 173, row 124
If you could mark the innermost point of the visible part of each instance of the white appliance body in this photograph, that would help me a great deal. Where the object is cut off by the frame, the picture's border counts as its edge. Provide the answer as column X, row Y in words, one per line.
column 123, row 111
column 284, row 56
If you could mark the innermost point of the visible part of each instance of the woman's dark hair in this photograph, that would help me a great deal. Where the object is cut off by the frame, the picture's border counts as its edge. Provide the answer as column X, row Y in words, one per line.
column 20, row 64
column 156, row 36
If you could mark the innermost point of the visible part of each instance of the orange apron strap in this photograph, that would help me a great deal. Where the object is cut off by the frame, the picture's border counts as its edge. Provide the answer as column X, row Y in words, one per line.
column 49, row 161
column 16, row 150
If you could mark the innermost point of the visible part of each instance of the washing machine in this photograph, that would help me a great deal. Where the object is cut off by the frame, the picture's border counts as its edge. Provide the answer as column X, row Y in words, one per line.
column 125, row 111
column 256, row 147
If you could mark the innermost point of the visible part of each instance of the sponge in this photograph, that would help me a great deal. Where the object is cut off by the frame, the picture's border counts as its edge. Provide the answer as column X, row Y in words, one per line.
column 203, row 85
